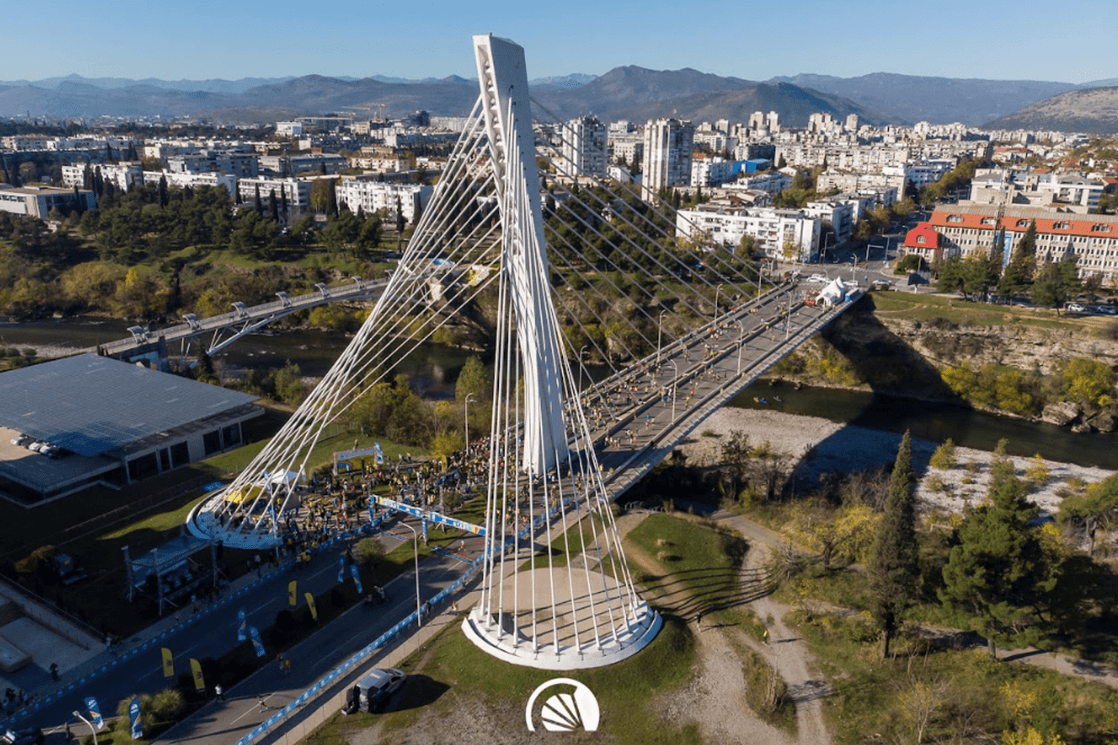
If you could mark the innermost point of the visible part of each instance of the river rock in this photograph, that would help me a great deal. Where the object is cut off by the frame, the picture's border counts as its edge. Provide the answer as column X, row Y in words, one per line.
column 1061, row 413
column 1081, row 428
column 1104, row 421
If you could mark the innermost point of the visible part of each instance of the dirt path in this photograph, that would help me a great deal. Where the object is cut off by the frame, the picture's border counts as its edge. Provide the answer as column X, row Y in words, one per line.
column 715, row 698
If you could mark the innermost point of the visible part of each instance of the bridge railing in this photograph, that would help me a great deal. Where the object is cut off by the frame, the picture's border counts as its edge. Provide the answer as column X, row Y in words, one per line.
column 256, row 312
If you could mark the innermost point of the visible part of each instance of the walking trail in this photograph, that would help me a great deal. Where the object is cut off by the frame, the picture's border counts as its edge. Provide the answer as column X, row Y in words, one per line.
column 715, row 699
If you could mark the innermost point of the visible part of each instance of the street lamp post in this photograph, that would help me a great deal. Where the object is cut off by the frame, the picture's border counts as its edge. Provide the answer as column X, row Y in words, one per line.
column 467, row 423
column 675, row 377
column 853, row 269
column 418, row 607
column 717, row 290
column 581, row 351
column 741, row 343
column 659, row 332
column 91, row 727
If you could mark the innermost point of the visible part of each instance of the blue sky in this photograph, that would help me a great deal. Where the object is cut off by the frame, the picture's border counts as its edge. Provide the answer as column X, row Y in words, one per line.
column 755, row 40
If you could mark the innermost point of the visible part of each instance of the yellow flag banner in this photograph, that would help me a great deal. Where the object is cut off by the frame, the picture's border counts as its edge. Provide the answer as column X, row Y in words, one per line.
column 196, row 671
column 168, row 663
column 310, row 604
column 292, row 593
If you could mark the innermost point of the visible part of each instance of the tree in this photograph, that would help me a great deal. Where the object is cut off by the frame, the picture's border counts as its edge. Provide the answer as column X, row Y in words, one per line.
column 1094, row 510
column 1057, row 282
column 997, row 572
column 894, row 561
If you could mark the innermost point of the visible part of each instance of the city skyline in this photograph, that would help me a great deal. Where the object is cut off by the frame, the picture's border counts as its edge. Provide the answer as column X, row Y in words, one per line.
column 1005, row 42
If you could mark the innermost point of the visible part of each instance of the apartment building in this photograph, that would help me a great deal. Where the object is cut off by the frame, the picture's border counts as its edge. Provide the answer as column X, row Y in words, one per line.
column 585, row 147
column 193, row 180
column 297, row 191
column 374, row 196
column 785, row 235
column 38, row 201
column 1072, row 192
column 122, row 175
column 667, row 155
column 711, row 170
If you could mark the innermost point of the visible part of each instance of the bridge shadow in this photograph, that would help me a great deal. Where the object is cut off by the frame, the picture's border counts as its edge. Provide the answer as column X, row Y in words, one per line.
column 691, row 592
column 905, row 388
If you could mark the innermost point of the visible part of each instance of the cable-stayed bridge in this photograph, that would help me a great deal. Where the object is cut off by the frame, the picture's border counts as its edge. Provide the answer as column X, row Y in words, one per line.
column 557, row 265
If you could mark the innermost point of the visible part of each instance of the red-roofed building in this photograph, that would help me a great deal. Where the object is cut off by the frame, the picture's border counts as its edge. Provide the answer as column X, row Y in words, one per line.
column 970, row 229
column 924, row 241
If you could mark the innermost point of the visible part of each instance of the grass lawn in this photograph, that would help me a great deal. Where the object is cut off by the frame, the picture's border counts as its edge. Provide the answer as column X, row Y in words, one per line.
column 451, row 676
column 921, row 307
column 703, row 558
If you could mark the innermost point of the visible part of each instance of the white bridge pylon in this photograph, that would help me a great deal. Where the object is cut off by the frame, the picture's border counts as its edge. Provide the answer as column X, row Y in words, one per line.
column 556, row 590
column 560, row 598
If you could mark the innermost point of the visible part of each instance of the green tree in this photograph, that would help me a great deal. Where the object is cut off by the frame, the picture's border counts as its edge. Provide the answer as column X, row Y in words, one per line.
column 997, row 572
column 473, row 379
column 1057, row 282
column 894, row 560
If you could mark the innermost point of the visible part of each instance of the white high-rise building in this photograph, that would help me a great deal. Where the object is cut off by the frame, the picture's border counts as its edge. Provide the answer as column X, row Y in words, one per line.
column 667, row 155
column 585, row 147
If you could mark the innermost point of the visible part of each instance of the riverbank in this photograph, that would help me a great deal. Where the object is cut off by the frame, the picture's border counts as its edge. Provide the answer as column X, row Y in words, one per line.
column 819, row 446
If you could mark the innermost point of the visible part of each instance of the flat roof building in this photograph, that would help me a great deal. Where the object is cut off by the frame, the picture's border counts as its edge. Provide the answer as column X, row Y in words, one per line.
column 110, row 423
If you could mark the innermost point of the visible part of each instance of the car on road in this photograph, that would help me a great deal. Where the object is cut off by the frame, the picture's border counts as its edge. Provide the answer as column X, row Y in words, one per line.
column 1107, row 310
column 1074, row 308
column 819, row 278
column 372, row 692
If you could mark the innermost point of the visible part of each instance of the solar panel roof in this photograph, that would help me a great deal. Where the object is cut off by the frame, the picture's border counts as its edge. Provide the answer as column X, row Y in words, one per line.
column 91, row 405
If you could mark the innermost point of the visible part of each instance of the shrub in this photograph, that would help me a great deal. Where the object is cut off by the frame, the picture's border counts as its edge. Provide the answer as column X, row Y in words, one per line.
column 167, row 705
column 944, row 456
column 368, row 552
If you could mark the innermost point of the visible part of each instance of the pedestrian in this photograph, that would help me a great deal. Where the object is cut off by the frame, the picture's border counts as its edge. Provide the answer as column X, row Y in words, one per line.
column 765, row 637
column 264, row 704
column 54, row 672
column 699, row 620
column 219, row 692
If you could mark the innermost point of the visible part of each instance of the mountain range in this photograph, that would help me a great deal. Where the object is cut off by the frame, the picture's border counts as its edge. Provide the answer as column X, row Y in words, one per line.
column 630, row 92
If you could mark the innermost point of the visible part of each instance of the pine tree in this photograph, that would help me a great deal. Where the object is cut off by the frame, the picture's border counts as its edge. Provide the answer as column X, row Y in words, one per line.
column 997, row 573
column 894, row 562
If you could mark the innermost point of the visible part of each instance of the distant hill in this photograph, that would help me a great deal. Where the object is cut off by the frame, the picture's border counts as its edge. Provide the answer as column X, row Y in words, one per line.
column 624, row 88
column 574, row 80
column 212, row 85
column 629, row 92
column 1094, row 110
column 912, row 98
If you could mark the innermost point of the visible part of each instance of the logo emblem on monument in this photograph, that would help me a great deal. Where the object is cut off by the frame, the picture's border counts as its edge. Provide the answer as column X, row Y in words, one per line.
column 563, row 710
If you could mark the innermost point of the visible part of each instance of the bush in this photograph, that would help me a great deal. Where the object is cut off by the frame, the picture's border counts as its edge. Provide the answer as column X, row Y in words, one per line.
column 944, row 456
column 368, row 552
column 167, row 705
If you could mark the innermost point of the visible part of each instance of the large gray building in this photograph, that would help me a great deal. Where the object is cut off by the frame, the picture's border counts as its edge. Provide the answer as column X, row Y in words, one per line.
column 107, row 422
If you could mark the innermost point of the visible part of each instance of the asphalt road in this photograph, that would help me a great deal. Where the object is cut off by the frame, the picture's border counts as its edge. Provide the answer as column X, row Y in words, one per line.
column 217, row 634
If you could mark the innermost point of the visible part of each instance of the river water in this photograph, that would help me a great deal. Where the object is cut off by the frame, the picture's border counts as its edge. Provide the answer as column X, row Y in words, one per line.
column 433, row 369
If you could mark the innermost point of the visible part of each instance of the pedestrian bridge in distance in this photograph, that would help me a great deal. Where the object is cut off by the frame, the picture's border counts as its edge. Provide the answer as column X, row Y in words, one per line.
column 215, row 333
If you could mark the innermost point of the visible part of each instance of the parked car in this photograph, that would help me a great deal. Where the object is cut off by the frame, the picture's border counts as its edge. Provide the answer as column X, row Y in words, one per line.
column 21, row 440
column 1074, row 308
column 1106, row 310
column 372, row 692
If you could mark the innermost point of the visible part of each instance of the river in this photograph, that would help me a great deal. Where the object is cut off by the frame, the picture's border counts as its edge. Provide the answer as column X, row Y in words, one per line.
column 433, row 369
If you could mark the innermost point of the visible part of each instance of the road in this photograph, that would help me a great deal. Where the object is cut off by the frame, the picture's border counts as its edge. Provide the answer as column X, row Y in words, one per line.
column 216, row 634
